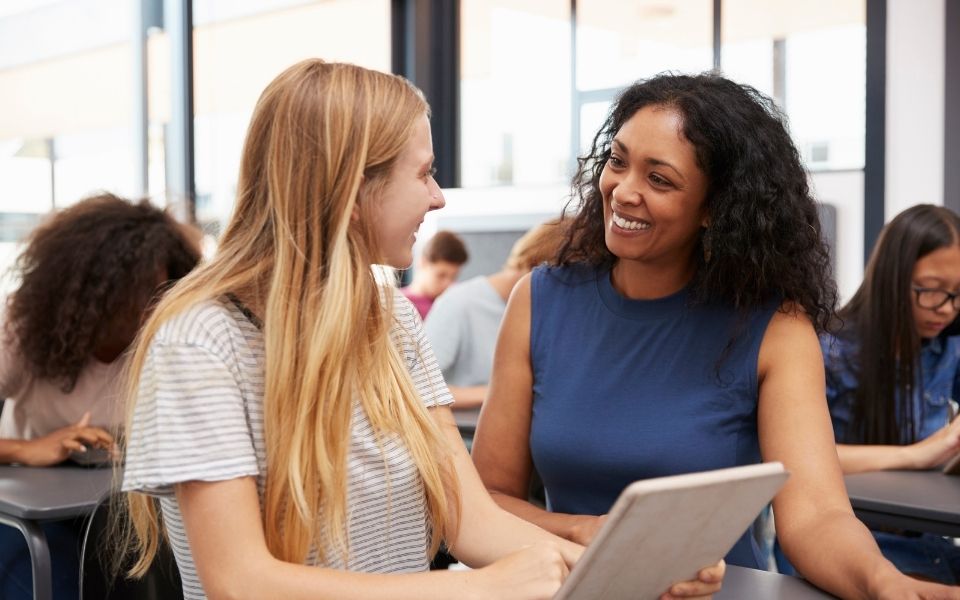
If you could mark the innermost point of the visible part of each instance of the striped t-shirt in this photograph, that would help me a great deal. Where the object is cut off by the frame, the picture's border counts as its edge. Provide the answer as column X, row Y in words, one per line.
column 199, row 417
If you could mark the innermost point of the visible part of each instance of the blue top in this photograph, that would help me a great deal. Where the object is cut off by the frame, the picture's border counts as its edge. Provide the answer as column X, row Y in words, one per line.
column 939, row 359
column 632, row 389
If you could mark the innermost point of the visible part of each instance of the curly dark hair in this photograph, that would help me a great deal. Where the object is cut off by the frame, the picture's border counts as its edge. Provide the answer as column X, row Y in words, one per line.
column 764, row 234
column 83, row 269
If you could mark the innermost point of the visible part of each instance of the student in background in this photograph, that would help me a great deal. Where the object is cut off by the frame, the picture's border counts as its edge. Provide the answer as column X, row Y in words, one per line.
column 87, row 277
column 678, row 334
column 463, row 325
column 437, row 269
column 892, row 370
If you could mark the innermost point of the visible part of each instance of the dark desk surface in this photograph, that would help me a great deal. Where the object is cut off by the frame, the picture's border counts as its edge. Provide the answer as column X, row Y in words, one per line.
column 42, row 493
column 467, row 420
column 926, row 501
column 741, row 583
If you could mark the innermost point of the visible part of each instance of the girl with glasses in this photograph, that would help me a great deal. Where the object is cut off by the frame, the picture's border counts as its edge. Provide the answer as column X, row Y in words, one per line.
column 892, row 369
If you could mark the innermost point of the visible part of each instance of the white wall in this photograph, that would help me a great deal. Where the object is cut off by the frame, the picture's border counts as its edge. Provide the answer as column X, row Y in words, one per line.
column 915, row 103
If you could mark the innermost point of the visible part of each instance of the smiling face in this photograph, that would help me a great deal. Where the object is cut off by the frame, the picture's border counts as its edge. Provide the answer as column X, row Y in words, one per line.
column 939, row 270
column 653, row 191
column 409, row 193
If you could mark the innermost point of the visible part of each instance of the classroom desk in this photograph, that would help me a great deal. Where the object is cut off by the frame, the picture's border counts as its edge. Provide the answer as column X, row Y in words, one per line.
column 30, row 495
column 740, row 583
column 467, row 420
column 925, row 501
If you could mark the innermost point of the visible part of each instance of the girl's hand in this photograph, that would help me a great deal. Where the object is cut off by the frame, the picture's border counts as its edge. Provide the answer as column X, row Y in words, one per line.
column 707, row 583
column 936, row 449
column 56, row 447
column 586, row 528
column 533, row 573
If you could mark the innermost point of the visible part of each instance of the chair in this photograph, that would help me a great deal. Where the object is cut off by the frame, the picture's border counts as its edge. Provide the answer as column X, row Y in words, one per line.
column 161, row 582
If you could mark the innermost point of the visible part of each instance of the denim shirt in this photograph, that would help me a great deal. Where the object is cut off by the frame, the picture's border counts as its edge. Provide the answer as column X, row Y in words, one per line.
column 939, row 361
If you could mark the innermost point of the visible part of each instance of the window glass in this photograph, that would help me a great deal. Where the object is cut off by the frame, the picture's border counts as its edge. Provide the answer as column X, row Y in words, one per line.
column 239, row 47
column 515, row 92
column 782, row 47
column 621, row 41
column 65, row 111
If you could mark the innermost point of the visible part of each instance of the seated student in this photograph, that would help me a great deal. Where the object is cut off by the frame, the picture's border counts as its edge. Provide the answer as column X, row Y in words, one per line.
column 892, row 370
column 282, row 382
column 437, row 269
column 87, row 276
column 463, row 325
column 678, row 333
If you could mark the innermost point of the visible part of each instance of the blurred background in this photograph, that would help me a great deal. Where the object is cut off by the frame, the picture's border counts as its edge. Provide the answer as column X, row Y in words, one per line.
column 152, row 97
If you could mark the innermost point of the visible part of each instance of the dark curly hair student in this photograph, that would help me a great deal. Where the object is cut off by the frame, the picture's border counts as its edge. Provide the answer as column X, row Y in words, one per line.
column 763, row 240
column 678, row 333
column 87, row 277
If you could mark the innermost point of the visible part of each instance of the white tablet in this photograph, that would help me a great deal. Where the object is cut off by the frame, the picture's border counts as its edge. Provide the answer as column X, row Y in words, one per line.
column 953, row 466
column 664, row 530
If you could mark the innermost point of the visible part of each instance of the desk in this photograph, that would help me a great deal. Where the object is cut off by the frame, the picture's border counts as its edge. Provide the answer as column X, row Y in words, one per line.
column 29, row 495
column 925, row 501
column 467, row 420
column 741, row 582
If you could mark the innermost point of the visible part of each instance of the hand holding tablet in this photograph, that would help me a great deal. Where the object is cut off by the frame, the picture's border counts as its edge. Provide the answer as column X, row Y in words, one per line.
column 664, row 530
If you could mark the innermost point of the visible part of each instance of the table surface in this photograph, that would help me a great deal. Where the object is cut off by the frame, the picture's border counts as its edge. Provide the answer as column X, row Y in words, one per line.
column 927, row 501
column 43, row 493
column 740, row 583
column 467, row 419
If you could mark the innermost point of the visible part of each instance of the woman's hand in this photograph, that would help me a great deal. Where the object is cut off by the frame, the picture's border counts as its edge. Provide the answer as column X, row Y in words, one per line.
column 894, row 585
column 707, row 583
column 585, row 528
column 936, row 449
column 533, row 573
column 56, row 447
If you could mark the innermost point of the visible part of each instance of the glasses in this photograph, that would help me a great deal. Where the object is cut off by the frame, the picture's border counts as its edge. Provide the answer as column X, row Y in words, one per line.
column 933, row 298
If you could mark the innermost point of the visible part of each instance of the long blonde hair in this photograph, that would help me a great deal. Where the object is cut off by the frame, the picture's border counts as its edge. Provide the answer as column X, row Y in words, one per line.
column 322, row 135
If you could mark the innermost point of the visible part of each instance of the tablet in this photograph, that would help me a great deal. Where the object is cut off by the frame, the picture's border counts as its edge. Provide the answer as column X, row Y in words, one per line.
column 664, row 530
column 953, row 466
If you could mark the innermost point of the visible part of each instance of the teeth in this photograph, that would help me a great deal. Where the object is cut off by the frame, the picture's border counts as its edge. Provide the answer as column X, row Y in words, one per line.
column 625, row 224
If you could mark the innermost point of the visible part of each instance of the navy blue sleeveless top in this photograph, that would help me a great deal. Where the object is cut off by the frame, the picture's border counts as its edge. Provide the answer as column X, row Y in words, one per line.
column 632, row 389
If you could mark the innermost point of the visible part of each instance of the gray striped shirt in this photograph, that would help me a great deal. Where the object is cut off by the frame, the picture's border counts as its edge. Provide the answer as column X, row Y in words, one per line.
column 199, row 417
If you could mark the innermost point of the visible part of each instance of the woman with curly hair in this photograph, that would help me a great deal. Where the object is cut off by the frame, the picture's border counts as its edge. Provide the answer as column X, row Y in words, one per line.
column 87, row 277
column 896, row 330
column 688, row 295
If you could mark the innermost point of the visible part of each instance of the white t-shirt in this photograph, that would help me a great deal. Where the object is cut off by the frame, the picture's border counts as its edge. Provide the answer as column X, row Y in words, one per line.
column 35, row 407
column 199, row 417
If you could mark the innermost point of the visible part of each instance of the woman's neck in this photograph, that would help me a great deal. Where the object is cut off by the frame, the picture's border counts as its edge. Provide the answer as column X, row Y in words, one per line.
column 641, row 281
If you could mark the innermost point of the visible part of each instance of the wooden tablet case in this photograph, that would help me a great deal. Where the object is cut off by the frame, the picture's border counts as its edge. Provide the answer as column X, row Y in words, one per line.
column 661, row 531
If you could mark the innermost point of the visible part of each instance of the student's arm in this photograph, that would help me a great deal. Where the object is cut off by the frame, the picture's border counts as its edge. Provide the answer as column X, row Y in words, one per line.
column 468, row 397
column 925, row 454
column 815, row 524
column 501, row 450
column 55, row 447
column 233, row 562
